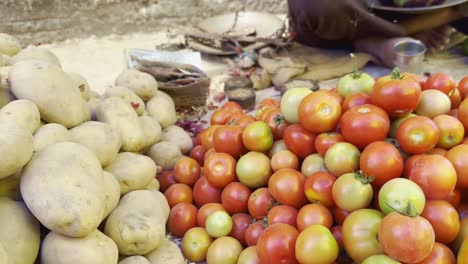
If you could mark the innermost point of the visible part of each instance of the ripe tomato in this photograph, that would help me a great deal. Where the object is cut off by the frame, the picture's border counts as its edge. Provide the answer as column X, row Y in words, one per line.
column 352, row 191
column 206, row 210
column 240, row 222
column 318, row 188
column 396, row 194
column 220, row 116
column 418, row 78
column 253, row 169
column 287, row 187
column 260, row 201
column 435, row 175
column 324, row 141
column 187, row 171
column 319, row 112
column 437, row 151
column 442, row 82
column 455, row 99
column 253, row 232
column 234, row 197
column 198, row 154
column 166, row 179
column 342, row 158
column 263, row 112
column 339, row 215
column 232, row 107
column 406, row 239
column 218, row 224
column 208, row 153
column 459, row 159
column 314, row 214
column 454, row 198
column 364, row 124
column 195, row 244
column 360, row 231
column 224, row 250
column 316, row 241
column 178, row 193
column 396, row 94
column 444, row 220
column 206, row 136
column 355, row 99
column 381, row 160
column 182, row 217
column 440, row 253
column 204, row 192
column 463, row 87
column 312, row 164
column 220, row 169
column 240, row 119
column 396, row 123
column 284, row 214
column 284, row 159
column 269, row 102
column 463, row 113
column 409, row 162
column 277, row 123
column 451, row 131
column 248, row 256
column 337, row 232
column 334, row 92
column 299, row 140
column 278, row 145
column 418, row 134
column 257, row 137
column 433, row 103
column 276, row 244
column 228, row 139
column 290, row 103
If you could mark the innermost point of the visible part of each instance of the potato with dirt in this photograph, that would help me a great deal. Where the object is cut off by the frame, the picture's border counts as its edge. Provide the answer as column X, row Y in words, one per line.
column 179, row 137
column 123, row 119
column 95, row 248
column 81, row 84
column 133, row 171
column 100, row 138
column 16, row 148
column 23, row 112
column 63, row 186
column 49, row 134
column 111, row 192
column 164, row 154
column 141, row 83
column 138, row 223
column 128, row 96
column 54, row 92
column 9, row 45
column 36, row 53
column 19, row 235
column 162, row 108
column 167, row 253
column 135, row 260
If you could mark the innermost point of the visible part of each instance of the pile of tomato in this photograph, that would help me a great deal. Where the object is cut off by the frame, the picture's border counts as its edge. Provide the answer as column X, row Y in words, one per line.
column 373, row 171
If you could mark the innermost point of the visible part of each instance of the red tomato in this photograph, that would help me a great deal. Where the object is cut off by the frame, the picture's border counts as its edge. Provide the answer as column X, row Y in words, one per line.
column 228, row 139
column 206, row 210
column 198, row 154
column 220, row 169
column 287, row 187
column 208, row 153
column 440, row 253
column 442, row 82
column 443, row 218
column 463, row 113
column 276, row 245
column 318, row 188
column 253, row 232
column 235, row 197
column 241, row 120
column 260, row 201
column 418, row 78
column 166, row 179
column 355, row 99
column 396, row 94
column 269, row 102
column 455, row 99
column 409, row 163
column 435, row 175
column 324, row 141
column 204, row 192
column 339, row 215
column 458, row 156
column 198, row 138
column 240, row 222
column 319, row 112
column 364, row 124
column 178, row 193
column 299, row 141
column 206, row 136
column 437, row 151
column 406, row 239
column 220, row 116
column 451, row 131
column 337, row 232
column 263, row 112
column 463, row 87
column 232, row 107
column 314, row 214
column 453, row 112
column 418, row 134
column 277, row 123
column 182, row 217
column 381, row 160
column 454, row 198
column 334, row 92
column 282, row 214
column 284, row 159
column 187, row 171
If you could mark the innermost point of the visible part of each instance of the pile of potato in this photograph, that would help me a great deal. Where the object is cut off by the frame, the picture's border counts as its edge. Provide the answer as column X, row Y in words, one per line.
column 77, row 169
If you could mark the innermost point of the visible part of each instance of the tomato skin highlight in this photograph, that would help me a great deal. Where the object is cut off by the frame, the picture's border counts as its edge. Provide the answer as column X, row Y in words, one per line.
column 319, row 112
column 418, row 134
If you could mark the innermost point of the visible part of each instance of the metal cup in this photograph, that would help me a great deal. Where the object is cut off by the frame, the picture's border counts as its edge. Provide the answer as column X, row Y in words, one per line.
column 409, row 55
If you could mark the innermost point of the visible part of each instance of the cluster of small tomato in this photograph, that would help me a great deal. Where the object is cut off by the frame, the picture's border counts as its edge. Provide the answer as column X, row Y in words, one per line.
column 373, row 171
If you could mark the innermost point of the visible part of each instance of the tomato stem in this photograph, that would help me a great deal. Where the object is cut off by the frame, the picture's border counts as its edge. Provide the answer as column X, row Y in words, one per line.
column 278, row 120
column 409, row 211
column 360, row 176
column 356, row 74
column 396, row 74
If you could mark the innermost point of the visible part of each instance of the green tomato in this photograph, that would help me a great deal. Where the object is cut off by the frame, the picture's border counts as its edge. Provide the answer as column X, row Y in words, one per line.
column 219, row 224
column 355, row 82
column 397, row 194
column 380, row 259
column 257, row 136
column 290, row 103
column 396, row 123
column 352, row 191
